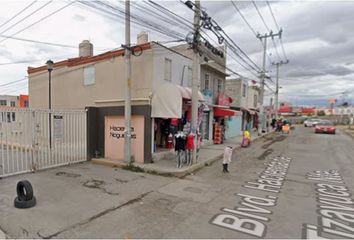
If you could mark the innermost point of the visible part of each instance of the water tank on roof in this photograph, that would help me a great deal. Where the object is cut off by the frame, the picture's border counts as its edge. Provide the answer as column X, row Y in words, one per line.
column 85, row 48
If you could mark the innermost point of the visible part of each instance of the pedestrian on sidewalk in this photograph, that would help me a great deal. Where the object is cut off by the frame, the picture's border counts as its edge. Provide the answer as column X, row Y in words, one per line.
column 227, row 159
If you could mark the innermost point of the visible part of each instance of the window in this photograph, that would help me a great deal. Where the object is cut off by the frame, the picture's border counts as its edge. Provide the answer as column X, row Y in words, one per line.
column 89, row 75
column 255, row 99
column 13, row 116
column 168, row 70
column 3, row 102
column 26, row 104
column 206, row 82
column 190, row 76
column 219, row 85
column 12, row 103
column 244, row 89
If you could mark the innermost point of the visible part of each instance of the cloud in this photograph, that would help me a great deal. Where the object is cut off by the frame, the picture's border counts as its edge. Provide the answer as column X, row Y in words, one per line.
column 79, row 18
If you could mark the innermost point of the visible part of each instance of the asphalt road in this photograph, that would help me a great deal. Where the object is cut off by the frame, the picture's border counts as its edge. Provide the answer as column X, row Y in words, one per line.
column 286, row 186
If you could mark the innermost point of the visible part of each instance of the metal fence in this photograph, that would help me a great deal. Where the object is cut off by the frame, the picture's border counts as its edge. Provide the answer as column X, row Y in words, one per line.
column 30, row 142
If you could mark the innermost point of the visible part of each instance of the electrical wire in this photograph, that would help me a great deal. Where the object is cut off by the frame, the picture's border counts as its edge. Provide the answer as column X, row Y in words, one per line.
column 17, row 14
column 12, row 63
column 40, row 20
column 260, row 15
column 233, row 46
column 26, row 17
column 116, row 12
column 278, row 28
column 9, row 83
column 35, row 41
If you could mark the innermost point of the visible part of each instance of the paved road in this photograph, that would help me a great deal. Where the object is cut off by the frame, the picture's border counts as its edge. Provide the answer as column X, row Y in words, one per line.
column 295, row 186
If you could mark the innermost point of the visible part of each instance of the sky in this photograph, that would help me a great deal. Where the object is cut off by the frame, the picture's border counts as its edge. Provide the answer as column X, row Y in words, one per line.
column 317, row 38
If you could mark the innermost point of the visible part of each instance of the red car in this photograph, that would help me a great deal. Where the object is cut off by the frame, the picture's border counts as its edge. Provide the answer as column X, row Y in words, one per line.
column 325, row 127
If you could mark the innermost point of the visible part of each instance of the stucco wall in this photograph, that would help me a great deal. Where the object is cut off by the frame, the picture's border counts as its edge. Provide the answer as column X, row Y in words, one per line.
column 250, row 99
column 69, row 92
column 233, row 127
column 234, row 89
column 178, row 61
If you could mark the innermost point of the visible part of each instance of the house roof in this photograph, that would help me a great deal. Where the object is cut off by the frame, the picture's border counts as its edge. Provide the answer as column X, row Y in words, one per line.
column 85, row 60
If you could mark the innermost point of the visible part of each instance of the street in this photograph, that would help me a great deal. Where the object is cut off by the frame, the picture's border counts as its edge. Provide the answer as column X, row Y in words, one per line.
column 283, row 186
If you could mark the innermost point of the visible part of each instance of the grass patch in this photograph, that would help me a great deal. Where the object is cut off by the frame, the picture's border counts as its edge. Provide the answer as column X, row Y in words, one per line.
column 133, row 168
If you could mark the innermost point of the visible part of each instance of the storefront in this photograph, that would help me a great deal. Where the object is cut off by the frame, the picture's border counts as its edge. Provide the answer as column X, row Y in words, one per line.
column 171, row 112
column 222, row 115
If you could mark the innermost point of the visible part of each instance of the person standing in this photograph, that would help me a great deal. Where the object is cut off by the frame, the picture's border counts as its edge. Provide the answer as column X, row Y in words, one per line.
column 227, row 159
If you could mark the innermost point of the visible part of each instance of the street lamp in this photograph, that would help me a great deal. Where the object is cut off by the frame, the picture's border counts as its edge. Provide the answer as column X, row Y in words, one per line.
column 50, row 64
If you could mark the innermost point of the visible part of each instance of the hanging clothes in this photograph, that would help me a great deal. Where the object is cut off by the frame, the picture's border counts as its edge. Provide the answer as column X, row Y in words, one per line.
column 190, row 141
column 180, row 142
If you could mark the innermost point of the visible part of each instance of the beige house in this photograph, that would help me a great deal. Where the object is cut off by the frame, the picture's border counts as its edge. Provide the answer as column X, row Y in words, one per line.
column 96, row 81
column 160, row 77
column 212, row 85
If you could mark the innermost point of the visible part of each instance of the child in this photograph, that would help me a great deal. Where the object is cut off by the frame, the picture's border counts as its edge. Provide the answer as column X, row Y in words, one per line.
column 227, row 159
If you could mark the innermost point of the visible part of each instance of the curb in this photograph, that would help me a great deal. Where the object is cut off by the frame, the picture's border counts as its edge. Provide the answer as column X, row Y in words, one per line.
column 198, row 166
column 349, row 134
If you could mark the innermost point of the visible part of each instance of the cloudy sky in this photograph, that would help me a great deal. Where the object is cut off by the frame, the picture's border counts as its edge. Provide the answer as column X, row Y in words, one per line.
column 317, row 38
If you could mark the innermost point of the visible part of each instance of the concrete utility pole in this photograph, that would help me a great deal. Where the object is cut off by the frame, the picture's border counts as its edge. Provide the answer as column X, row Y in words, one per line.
column 262, row 119
column 277, row 86
column 195, row 78
column 127, row 106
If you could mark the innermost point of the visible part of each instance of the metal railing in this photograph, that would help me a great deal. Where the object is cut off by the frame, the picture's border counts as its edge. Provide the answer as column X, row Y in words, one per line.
column 25, row 144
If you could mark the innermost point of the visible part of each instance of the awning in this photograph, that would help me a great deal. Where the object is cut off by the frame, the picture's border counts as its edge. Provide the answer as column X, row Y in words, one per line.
column 224, row 112
column 252, row 112
column 167, row 100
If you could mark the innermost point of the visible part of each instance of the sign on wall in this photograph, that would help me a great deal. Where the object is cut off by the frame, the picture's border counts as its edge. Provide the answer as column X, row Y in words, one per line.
column 115, row 134
column 58, row 130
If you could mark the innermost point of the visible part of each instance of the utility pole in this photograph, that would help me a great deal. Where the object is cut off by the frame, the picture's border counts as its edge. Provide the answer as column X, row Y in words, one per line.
column 277, row 86
column 262, row 120
column 127, row 106
column 195, row 78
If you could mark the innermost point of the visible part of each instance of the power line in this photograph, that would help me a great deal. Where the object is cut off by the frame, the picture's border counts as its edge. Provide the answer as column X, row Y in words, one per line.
column 271, row 12
column 9, row 83
column 249, row 26
column 278, row 28
column 27, row 16
column 260, row 15
column 40, row 20
column 18, row 13
column 11, row 63
column 35, row 41
column 112, row 10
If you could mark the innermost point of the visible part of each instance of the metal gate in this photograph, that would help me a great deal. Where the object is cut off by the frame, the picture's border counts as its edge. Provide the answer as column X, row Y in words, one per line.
column 31, row 140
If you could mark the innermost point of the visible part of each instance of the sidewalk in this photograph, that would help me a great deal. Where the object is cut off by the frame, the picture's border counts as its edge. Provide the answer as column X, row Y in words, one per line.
column 207, row 155
column 349, row 132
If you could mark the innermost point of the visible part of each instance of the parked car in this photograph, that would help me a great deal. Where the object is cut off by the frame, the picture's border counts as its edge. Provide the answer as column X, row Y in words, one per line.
column 325, row 127
column 311, row 122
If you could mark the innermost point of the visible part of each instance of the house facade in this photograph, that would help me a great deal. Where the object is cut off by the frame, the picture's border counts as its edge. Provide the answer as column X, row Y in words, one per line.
column 159, row 93
column 217, row 112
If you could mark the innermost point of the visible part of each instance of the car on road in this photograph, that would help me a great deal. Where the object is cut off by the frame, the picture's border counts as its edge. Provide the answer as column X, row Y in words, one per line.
column 325, row 127
column 311, row 122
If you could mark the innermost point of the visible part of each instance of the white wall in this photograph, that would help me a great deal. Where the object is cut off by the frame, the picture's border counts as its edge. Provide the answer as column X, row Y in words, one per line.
column 178, row 63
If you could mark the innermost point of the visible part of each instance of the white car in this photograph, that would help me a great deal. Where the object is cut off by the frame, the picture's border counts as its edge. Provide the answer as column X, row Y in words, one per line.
column 311, row 122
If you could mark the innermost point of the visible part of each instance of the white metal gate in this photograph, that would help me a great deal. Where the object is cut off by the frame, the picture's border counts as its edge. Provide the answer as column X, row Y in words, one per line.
column 29, row 142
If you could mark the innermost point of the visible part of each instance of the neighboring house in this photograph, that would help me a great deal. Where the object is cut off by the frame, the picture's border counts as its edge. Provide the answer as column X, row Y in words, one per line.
column 212, row 85
column 253, row 105
column 344, row 111
column 8, row 105
column 9, row 101
column 159, row 93
column 238, row 90
column 23, row 101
